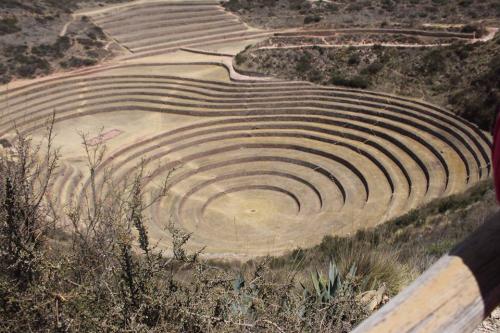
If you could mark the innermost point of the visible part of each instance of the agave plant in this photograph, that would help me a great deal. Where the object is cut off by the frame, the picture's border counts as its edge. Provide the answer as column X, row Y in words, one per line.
column 327, row 288
column 244, row 302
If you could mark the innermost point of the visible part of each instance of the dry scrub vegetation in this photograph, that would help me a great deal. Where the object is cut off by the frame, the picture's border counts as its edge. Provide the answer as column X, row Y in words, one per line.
column 31, row 43
column 462, row 76
column 287, row 13
column 93, row 267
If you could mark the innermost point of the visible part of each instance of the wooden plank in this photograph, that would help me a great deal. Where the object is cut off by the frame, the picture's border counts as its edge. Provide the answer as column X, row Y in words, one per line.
column 454, row 295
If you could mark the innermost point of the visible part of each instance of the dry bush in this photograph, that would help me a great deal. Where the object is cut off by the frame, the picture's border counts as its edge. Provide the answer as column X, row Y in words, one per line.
column 107, row 276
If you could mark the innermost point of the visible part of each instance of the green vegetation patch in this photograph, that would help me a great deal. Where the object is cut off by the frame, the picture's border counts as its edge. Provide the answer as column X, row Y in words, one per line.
column 9, row 25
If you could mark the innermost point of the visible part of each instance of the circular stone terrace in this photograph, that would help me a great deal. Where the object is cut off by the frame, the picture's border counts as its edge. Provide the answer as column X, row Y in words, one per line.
column 254, row 165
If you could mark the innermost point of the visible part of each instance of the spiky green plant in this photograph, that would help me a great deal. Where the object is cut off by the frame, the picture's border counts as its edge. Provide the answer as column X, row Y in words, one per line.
column 242, row 306
column 325, row 289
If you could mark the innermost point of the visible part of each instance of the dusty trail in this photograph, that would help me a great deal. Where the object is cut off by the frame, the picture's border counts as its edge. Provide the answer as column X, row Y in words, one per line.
column 351, row 45
column 65, row 27
column 300, row 33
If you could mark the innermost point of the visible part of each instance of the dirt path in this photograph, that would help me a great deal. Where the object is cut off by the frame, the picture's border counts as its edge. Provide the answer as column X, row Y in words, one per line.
column 65, row 28
column 351, row 45
column 489, row 36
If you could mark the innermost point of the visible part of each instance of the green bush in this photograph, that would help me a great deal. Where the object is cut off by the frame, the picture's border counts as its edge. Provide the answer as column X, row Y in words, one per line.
column 240, row 58
column 354, row 7
column 304, row 63
column 88, row 43
column 96, row 33
column 373, row 68
column 465, row 3
column 301, row 5
column 29, row 66
column 312, row 19
column 14, row 51
column 8, row 25
column 332, row 7
column 462, row 53
column 3, row 69
column 358, row 81
column 354, row 59
column 315, row 76
column 388, row 5
column 75, row 62
column 4, row 74
column 55, row 50
column 433, row 61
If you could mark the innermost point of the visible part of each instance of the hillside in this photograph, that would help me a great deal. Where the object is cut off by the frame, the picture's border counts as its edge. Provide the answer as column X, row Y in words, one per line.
column 292, row 13
column 40, row 37
column 461, row 77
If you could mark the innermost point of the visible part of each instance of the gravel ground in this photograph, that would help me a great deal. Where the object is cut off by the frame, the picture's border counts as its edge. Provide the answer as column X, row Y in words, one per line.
column 491, row 324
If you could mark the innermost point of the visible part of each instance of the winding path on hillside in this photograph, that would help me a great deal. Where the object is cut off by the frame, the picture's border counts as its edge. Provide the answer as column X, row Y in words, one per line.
column 256, row 165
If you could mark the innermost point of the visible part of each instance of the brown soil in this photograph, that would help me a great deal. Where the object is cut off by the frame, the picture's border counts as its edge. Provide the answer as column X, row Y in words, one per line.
column 41, row 37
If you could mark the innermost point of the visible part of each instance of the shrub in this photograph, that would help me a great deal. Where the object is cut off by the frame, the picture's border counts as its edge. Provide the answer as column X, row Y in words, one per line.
column 318, row 48
column 30, row 65
column 96, row 33
column 5, row 143
column 4, row 74
column 433, row 61
column 240, row 58
column 315, row 76
column 87, row 43
column 3, row 69
column 472, row 28
column 373, row 68
column 331, row 7
column 377, row 47
column 299, row 5
column 304, row 63
column 354, row 7
column 4, row 79
column 388, row 5
column 78, row 62
column 55, row 50
column 358, row 81
column 15, row 51
column 312, row 19
column 462, row 53
column 354, row 59
column 8, row 25
column 232, row 4
column 25, row 223
column 92, row 54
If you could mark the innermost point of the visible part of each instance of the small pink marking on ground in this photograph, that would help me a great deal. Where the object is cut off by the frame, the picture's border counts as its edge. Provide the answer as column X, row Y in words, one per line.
column 104, row 137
